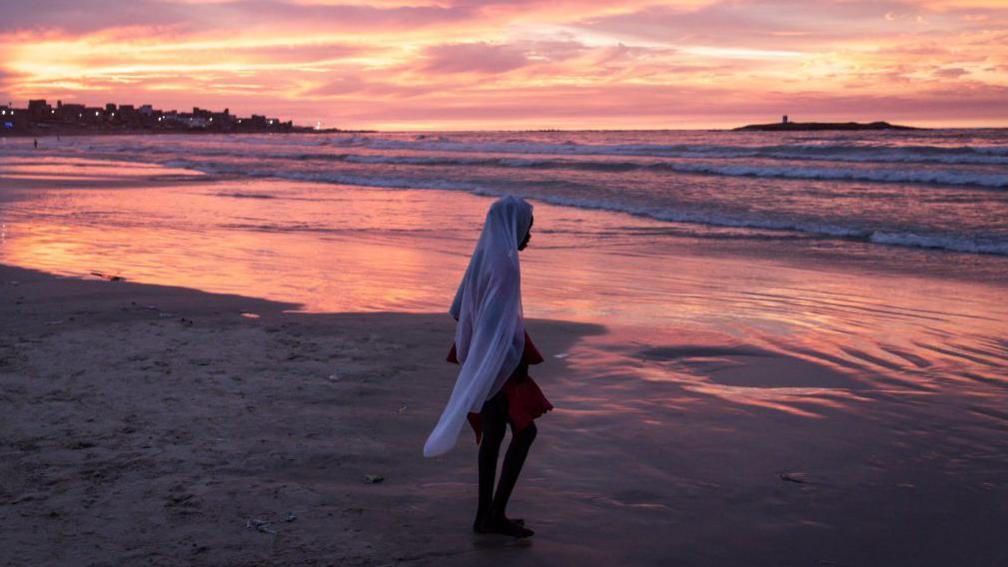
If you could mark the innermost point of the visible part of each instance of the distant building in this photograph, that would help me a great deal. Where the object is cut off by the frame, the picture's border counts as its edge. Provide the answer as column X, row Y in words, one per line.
column 255, row 122
column 71, row 112
column 93, row 114
column 784, row 120
column 39, row 110
column 40, row 117
column 127, row 114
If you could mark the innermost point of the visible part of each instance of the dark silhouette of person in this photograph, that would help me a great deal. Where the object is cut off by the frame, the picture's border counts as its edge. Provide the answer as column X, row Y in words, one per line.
column 494, row 386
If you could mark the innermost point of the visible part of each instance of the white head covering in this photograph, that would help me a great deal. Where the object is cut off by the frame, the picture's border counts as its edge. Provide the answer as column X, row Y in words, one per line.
column 490, row 336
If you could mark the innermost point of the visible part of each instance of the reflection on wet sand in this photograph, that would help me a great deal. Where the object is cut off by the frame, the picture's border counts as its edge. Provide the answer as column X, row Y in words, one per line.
column 794, row 336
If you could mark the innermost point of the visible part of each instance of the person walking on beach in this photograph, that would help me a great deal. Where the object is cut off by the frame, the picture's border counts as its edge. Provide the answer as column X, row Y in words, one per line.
column 493, row 388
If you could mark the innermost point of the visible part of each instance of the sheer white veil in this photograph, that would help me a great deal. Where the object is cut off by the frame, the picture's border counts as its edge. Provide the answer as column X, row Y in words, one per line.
column 490, row 335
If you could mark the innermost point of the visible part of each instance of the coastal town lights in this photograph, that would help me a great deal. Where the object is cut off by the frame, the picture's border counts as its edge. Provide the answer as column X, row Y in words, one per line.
column 39, row 115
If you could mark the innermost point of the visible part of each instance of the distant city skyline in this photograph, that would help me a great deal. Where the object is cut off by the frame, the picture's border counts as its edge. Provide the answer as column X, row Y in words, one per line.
column 571, row 64
column 40, row 117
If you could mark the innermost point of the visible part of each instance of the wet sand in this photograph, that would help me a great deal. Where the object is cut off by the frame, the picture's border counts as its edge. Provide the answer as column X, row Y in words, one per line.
column 155, row 425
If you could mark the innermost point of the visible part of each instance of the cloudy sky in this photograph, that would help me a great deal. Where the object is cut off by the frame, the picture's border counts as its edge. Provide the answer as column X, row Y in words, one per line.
column 461, row 64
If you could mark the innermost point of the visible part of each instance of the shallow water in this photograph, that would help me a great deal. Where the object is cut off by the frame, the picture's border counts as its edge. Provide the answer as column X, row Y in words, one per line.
column 343, row 248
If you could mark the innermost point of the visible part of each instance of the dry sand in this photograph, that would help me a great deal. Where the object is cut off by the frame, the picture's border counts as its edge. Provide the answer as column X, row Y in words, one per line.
column 154, row 425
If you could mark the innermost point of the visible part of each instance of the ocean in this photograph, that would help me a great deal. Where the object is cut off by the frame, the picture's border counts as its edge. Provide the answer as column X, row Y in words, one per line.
column 933, row 189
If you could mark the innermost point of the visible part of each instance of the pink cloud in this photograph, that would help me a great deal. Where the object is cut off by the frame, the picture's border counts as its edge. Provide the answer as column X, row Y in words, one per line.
column 480, row 57
column 534, row 63
column 950, row 72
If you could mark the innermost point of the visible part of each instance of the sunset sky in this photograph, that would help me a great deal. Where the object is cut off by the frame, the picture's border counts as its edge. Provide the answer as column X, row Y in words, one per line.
column 471, row 64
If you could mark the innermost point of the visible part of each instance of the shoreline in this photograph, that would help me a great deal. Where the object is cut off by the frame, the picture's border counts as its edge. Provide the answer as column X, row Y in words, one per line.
column 197, row 132
column 861, row 254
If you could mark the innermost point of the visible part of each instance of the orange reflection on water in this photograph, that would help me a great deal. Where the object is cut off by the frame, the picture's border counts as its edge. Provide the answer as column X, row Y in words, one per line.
column 79, row 169
column 338, row 248
column 228, row 245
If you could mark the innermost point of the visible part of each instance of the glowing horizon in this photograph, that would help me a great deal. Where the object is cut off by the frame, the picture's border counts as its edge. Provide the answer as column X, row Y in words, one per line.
column 450, row 65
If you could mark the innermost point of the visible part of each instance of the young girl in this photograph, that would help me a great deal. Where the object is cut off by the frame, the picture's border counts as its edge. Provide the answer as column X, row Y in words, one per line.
column 493, row 386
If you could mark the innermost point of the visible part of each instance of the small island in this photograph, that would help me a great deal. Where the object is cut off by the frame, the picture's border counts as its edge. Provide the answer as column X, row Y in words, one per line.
column 785, row 124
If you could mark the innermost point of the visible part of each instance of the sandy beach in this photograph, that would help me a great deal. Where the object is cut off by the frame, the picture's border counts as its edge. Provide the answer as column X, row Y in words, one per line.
column 156, row 425
column 726, row 410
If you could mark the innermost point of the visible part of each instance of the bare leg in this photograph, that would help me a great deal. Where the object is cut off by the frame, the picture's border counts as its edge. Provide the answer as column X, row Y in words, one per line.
column 494, row 418
column 514, row 459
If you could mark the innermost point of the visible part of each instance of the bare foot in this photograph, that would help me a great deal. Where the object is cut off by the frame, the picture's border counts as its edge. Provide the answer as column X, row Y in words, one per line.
column 480, row 523
column 506, row 527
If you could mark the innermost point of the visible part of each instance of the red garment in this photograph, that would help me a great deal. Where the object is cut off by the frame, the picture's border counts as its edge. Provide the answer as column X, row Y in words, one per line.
column 525, row 400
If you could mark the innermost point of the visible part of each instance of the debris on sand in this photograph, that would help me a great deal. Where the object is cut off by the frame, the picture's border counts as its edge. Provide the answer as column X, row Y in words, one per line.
column 259, row 525
column 108, row 277
column 798, row 477
column 373, row 478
